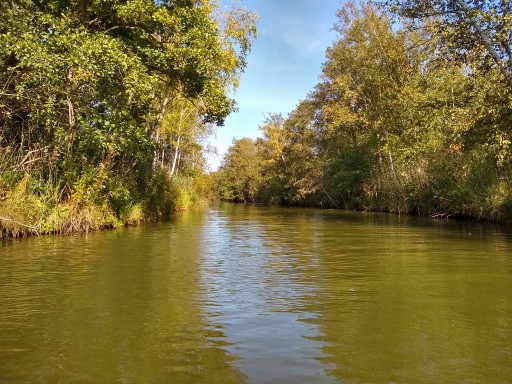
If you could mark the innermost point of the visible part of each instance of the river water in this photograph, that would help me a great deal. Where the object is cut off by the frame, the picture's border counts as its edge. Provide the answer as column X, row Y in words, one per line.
column 238, row 294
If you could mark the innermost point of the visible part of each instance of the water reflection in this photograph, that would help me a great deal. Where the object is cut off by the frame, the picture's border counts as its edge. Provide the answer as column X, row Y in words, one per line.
column 261, row 291
column 360, row 297
column 415, row 303
column 241, row 294
column 112, row 307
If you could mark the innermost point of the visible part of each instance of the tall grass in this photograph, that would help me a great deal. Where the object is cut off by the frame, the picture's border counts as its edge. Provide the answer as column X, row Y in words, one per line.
column 95, row 201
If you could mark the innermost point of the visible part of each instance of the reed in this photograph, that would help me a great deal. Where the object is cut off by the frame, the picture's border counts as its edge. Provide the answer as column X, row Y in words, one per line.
column 28, row 208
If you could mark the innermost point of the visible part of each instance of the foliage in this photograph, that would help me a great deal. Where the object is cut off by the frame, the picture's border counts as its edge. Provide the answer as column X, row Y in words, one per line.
column 476, row 28
column 98, row 98
column 240, row 172
column 409, row 117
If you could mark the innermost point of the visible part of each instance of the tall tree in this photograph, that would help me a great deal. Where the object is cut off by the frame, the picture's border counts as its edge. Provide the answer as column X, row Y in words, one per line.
column 474, row 25
column 88, row 88
column 240, row 173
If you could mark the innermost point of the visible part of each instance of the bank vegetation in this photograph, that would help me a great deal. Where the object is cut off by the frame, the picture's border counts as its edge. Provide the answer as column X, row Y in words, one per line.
column 412, row 113
column 106, row 107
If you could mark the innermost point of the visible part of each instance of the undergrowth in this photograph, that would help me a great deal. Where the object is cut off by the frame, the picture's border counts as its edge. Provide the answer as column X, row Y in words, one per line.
column 96, row 201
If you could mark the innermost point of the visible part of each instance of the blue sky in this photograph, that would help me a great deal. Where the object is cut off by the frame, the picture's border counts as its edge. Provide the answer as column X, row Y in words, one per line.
column 284, row 64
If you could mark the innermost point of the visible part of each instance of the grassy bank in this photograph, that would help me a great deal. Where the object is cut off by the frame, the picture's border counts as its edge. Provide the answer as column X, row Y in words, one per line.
column 28, row 208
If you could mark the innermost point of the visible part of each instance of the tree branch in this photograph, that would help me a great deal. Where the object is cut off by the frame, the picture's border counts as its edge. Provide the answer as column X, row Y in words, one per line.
column 21, row 224
column 486, row 40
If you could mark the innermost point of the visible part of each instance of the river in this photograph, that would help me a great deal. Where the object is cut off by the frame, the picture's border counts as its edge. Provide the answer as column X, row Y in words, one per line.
column 240, row 294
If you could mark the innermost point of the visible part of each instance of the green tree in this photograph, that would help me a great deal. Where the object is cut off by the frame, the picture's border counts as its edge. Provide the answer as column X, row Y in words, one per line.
column 303, row 170
column 470, row 49
column 240, row 173
column 410, row 117
column 97, row 92
column 467, row 25
column 363, row 79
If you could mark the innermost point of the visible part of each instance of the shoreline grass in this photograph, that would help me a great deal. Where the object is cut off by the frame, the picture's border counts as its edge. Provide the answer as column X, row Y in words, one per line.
column 25, row 211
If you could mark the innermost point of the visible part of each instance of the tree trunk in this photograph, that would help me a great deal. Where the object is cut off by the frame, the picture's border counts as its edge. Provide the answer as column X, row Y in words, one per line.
column 486, row 40
column 161, row 115
column 175, row 159
column 84, row 12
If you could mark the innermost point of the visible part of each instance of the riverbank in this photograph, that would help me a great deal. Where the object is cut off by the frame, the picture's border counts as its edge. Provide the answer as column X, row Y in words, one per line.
column 101, row 124
column 28, row 211
column 392, row 125
column 497, row 210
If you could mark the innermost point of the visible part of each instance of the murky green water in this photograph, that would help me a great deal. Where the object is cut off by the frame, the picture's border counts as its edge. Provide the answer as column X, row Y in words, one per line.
column 260, row 295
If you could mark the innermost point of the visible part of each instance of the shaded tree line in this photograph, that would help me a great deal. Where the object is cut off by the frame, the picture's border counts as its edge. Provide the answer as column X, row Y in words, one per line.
column 412, row 113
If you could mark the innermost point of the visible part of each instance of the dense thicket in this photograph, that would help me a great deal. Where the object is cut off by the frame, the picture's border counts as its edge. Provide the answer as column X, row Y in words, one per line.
column 105, row 104
column 413, row 115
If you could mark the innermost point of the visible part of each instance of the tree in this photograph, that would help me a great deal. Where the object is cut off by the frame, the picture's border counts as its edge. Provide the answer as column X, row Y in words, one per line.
column 467, row 25
column 365, row 73
column 406, row 117
column 240, row 173
column 98, row 88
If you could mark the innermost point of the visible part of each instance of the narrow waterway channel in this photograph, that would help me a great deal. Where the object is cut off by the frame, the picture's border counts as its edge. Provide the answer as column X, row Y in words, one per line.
column 239, row 294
